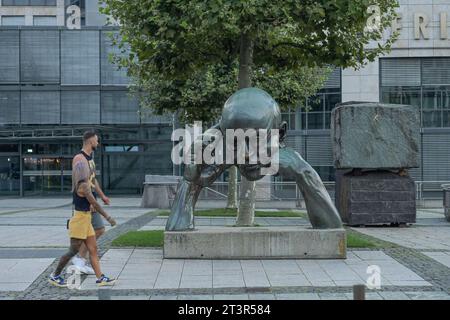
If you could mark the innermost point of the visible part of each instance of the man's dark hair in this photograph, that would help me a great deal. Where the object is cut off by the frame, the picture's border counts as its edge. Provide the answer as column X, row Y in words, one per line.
column 88, row 134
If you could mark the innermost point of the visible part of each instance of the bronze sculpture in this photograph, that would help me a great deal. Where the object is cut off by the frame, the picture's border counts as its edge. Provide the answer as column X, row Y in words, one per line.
column 253, row 108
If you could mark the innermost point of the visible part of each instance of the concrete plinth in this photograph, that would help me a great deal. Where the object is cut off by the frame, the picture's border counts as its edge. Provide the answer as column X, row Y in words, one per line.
column 255, row 243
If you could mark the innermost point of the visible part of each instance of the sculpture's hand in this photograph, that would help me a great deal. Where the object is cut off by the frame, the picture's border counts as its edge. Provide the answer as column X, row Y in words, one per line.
column 202, row 173
column 196, row 177
column 321, row 210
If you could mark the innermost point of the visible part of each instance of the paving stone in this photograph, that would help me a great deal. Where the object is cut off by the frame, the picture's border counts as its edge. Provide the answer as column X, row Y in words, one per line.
column 297, row 296
column 332, row 296
column 195, row 297
column 261, row 296
column 369, row 296
column 161, row 297
column 84, row 298
column 392, row 295
column 231, row 297
column 428, row 295
column 130, row 297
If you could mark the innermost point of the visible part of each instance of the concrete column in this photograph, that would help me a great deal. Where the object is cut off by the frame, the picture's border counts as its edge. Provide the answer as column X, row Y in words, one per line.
column 60, row 13
column 361, row 85
column 28, row 16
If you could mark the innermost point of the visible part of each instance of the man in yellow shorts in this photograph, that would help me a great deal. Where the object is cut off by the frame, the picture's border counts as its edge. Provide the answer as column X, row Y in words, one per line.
column 80, row 226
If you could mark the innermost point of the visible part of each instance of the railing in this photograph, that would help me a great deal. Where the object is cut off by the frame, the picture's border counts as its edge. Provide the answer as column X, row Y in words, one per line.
column 289, row 191
column 266, row 191
column 40, row 133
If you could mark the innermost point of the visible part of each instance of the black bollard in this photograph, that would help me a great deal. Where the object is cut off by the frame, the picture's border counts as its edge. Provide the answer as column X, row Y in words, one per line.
column 359, row 292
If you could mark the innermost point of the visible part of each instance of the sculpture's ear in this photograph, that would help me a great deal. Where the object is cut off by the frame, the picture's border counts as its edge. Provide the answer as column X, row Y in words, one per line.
column 283, row 130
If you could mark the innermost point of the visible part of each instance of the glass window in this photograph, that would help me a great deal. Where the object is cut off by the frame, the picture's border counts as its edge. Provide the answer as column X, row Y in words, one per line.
column 40, row 107
column 44, row 21
column 411, row 97
column 391, row 95
column 327, row 120
column 111, row 74
column 119, row 107
column 446, row 98
column 80, row 107
column 9, row 148
column 446, row 118
column 431, row 100
column 9, row 56
column 121, row 148
column 9, row 107
column 315, row 120
column 13, row 20
column 80, row 54
column 9, row 175
column 331, row 100
column 315, row 104
column 70, row 149
column 41, row 148
column 326, row 173
column 40, row 56
column 29, row 2
column 432, row 118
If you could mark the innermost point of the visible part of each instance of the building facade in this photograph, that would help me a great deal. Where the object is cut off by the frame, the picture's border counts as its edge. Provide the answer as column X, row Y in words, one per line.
column 55, row 82
column 416, row 72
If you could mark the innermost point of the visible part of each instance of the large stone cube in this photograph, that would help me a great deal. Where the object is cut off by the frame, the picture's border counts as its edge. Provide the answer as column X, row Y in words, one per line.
column 375, row 136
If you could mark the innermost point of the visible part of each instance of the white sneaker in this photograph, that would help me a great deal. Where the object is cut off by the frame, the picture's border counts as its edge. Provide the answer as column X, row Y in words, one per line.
column 88, row 270
column 79, row 262
column 80, row 269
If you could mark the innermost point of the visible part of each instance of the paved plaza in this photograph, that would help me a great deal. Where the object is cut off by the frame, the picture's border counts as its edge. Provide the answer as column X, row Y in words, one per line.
column 33, row 236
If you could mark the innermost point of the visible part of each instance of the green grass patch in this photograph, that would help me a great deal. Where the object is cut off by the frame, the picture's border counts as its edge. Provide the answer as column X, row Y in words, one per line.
column 155, row 238
column 233, row 213
column 150, row 238
column 356, row 239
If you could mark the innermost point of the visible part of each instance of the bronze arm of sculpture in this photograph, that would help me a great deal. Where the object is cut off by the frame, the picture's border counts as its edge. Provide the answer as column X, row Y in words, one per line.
column 320, row 208
column 195, row 178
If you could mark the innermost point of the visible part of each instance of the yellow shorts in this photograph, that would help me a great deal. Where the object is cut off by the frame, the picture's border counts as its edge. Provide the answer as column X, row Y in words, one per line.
column 80, row 225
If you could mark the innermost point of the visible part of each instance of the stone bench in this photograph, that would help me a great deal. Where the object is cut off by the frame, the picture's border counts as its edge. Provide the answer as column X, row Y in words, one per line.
column 159, row 191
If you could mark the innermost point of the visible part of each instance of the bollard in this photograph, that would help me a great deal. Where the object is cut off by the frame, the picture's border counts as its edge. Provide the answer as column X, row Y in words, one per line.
column 359, row 292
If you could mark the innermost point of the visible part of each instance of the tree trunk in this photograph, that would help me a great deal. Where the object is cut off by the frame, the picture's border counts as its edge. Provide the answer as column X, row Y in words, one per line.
column 232, row 188
column 246, row 211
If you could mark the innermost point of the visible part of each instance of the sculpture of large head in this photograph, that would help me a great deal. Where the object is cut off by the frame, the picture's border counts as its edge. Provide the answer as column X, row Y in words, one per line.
column 252, row 108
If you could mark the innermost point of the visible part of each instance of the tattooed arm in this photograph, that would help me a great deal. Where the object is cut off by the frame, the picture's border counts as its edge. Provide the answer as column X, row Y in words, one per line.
column 80, row 178
column 80, row 171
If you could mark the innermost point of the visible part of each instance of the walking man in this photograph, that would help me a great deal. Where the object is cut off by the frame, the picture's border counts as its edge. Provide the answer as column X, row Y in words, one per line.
column 81, row 230
column 79, row 261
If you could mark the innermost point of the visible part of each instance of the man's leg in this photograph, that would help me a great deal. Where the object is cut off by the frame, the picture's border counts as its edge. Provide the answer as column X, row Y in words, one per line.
column 83, row 253
column 91, row 245
column 80, row 259
column 75, row 245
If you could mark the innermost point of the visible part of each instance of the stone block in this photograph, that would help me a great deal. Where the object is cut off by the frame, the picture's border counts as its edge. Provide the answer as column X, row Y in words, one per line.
column 255, row 243
column 159, row 191
column 375, row 136
column 376, row 198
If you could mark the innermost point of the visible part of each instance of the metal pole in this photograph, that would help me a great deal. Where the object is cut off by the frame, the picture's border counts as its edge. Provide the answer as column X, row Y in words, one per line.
column 359, row 292
column 21, row 169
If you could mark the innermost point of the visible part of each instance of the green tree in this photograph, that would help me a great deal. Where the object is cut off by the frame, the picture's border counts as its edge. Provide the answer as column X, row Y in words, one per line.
column 180, row 47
